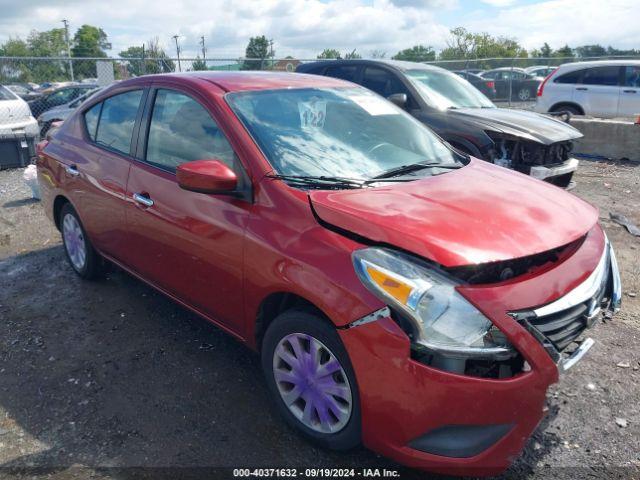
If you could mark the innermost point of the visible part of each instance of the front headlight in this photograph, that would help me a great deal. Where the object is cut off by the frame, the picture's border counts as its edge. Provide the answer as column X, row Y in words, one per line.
column 441, row 319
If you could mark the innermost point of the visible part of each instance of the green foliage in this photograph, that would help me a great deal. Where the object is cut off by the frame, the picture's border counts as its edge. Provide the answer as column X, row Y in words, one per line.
column 465, row 45
column 591, row 51
column 155, row 59
column 565, row 51
column 256, row 52
column 329, row 54
column 417, row 53
column 199, row 64
column 89, row 41
column 353, row 55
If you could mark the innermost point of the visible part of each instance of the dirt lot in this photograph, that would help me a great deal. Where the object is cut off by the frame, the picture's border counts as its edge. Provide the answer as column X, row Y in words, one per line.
column 113, row 380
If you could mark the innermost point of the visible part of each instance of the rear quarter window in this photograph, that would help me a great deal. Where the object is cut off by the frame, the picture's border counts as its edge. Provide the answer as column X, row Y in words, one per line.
column 91, row 117
column 117, row 120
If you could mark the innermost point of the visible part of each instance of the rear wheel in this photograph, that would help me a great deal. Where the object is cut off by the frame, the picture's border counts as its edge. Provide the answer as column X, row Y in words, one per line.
column 524, row 94
column 567, row 108
column 311, row 380
column 80, row 253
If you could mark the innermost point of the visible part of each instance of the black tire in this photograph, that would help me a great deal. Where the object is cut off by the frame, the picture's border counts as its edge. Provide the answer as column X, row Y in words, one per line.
column 567, row 108
column 93, row 266
column 524, row 94
column 300, row 321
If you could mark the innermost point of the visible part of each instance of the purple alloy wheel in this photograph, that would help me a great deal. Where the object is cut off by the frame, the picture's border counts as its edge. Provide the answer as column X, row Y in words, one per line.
column 74, row 241
column 312, row 383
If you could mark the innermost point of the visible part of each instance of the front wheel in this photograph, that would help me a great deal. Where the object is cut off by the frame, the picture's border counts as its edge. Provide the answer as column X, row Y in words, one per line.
column 311, row 380
column 84, row 260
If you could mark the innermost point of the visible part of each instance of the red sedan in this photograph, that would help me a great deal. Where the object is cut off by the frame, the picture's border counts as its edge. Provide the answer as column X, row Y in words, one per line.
column 400, row 294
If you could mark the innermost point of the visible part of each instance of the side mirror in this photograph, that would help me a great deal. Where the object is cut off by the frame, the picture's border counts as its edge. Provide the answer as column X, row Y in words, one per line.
column 399, row 99
column 206, row 176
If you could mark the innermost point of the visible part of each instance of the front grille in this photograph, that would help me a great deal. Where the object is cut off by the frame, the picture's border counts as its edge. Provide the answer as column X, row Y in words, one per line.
column 565, row 326
column 558, row 324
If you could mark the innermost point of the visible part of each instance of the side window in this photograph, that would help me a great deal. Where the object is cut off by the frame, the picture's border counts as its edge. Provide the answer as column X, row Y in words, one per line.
column 491, row 75
column 632, row 76
column 601, row 76
column 61, row 96
column 571, row 77
column 117, row 120
column 91, row 117
column 382, row 82
column 182, row 130
column 344, row 72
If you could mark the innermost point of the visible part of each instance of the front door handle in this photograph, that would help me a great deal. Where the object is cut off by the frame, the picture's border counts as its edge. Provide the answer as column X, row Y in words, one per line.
column 72, row 170
column 142, row 199
column 629, row 91
column 582, row 88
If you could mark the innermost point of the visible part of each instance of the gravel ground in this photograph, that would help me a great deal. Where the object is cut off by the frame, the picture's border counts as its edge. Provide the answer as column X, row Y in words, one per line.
column 113, row 380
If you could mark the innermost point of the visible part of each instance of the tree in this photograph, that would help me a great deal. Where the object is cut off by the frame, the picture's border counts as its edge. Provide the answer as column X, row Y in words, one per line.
column 353, row 55
column 565, row 51
column 91, row 42
column 465, row 45
column 329, row 54
column 378, row 54
column 545, row 50
column 199, row 64
column 585, row 51
column 417, row 53
column 256, row 52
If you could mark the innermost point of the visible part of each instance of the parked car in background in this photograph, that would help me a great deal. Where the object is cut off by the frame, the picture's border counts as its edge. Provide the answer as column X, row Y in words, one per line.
column 400, row 294
column 604, row 88
column 487, row 87
column 522, row 85
column 18, row 130
column 540, row 70
column 476, row 71
column 24, row 91
column 58, row 96
column 533, row 144
column 61, row 112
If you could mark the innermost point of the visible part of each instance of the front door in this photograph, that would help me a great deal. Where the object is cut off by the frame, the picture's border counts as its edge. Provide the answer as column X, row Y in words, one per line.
column 599, row 91
column 189, row 244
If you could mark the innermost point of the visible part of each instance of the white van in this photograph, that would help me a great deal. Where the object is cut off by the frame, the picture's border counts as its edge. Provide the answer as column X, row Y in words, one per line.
column 605, row 88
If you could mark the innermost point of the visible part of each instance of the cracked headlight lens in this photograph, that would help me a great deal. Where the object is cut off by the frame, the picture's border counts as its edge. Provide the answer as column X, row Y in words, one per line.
column 441, row 318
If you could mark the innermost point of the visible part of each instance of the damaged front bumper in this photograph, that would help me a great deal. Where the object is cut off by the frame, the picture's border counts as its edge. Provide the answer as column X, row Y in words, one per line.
column 544, row 172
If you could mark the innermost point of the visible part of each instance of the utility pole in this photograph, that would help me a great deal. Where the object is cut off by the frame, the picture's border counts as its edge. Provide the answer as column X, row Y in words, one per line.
column 144, row 63
column 175, row 37
column 271, row 54
column 66, row 38
column 204, row 50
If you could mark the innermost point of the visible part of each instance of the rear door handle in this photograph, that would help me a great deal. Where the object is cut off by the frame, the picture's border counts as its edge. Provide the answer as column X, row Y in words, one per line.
column 582, row 88
column 72, row 170
column 629, row 91
column 142, row 199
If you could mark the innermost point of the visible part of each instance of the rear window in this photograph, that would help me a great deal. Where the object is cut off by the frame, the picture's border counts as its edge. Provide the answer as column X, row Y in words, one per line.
column 601, row 76
column 91, row 117
column 571, row 77
column 118, row 116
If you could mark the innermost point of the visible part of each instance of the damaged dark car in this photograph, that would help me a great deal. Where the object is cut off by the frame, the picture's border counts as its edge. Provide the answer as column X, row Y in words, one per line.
column 530, row 143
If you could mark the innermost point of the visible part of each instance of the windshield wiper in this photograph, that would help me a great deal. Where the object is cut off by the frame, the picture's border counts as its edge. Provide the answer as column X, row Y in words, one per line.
column 396, row 172
column 321, row 181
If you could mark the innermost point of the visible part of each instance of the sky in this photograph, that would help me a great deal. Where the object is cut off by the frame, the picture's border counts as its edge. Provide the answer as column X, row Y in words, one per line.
column 303, row 28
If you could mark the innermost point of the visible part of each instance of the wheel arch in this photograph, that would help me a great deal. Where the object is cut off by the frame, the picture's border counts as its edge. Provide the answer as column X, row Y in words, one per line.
column 276, row 303
column 558, row 106
column 58, row 203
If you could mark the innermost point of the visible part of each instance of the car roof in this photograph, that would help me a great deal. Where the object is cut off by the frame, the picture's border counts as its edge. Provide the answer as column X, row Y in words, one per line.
column 236, row 81
column 599, row 63
column 396, row 64
column 501, row 69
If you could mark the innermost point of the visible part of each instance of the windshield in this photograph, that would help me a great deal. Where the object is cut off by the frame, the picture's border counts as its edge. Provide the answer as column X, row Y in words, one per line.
column 6, row 94
column 345, row 132
column 444, row 90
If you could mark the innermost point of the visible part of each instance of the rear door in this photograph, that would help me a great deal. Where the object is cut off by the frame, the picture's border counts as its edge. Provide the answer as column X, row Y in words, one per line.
column 102, row 168
column 629, row 104
column 599, row 91
column 189, row 244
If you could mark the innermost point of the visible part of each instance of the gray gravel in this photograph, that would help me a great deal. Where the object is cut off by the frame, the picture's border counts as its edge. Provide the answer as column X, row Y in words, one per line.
column 113, row 380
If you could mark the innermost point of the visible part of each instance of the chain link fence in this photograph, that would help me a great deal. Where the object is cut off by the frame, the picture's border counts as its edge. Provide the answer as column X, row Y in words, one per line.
column 53, row 87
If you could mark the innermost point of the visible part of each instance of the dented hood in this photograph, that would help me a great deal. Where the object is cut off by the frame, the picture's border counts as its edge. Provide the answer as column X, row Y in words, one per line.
column 477, row 214
column 520, row 123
